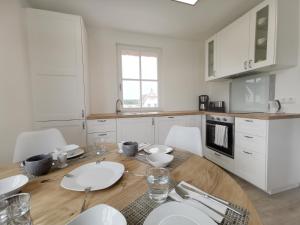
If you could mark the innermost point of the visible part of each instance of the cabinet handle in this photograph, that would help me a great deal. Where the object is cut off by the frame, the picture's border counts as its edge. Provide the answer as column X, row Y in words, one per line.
column 82, row 113
column 249, row 121
column 248, row 153
column 250, row 63
column 101, row 121
column 217, row 154
column 101, row 135
column 171, row 117
column 245, row 65
column 83, row 125
column 248, row 137
column 153, row 123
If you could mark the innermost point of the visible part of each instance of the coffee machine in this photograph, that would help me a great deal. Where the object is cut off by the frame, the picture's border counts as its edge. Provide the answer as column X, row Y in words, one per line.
column 203, row 102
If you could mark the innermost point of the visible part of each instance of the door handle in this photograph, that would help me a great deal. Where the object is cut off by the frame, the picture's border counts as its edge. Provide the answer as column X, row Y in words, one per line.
column 248, row 153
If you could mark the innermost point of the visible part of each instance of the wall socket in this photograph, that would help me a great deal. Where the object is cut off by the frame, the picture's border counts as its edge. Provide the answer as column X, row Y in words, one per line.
column 288, row 100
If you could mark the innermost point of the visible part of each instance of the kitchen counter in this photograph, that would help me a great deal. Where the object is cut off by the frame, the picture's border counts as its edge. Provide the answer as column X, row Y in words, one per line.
column 260, row 116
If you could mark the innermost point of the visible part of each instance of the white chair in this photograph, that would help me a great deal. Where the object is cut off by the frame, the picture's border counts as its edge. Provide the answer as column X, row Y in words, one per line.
column 185, row 138
column 37, row 142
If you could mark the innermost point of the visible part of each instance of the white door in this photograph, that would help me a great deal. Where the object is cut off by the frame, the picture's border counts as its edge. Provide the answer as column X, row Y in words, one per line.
column 164, row 124
column 136, row 129
column 56, row 65
column 263, row 35
column 74, row 131
column 233, row 47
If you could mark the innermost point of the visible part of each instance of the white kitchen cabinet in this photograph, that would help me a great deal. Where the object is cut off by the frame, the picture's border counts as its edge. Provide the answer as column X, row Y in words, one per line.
column 233, row 47
column 163, row 125
column 211, row 58
column 57, row 59
column 219, row 159
column 264, row 39
column 136, row 129
column 74, row 131
column 106, row 137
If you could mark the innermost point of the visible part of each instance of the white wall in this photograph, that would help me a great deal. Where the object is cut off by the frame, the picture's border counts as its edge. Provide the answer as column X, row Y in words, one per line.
column 15, row 105
column 181, row 71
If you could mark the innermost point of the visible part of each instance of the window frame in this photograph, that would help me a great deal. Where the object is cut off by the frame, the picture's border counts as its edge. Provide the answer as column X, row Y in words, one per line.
column 140, row 49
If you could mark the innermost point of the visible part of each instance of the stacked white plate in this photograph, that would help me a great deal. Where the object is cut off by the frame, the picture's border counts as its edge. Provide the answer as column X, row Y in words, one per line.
column 12, row 185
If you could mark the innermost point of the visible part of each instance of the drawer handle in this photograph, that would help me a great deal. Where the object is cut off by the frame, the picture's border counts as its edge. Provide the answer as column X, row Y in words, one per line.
column 249, row 121
column 217, row 154
column 171, row 117
column 101, row 135
column 248, row 137
column 101, row 121
column 248, row 153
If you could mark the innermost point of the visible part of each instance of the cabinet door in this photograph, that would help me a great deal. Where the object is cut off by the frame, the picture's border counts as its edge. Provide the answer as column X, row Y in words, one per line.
column 107, row 137
column 250, row 166
column 164, row 124
column 136, row 129
column 56, row 65
column 233, row 50
column 73, row 131
column 211, row 58
column 263, row 35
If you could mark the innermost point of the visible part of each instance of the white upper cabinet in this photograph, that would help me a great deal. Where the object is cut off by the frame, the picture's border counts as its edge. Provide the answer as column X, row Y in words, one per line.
column 264, row 39
column 211, row 58
column 234, row 47
column 55, row 43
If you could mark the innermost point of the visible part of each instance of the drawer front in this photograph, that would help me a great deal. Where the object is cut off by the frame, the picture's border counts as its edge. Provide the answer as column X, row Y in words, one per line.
column 108, row 137
column 251, row 142
column 251, row 126
column 219, row 159
column 251, row 167
column 101, row 125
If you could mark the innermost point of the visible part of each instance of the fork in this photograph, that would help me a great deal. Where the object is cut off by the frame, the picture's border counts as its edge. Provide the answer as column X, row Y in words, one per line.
column 86, row 191
column 185, row 195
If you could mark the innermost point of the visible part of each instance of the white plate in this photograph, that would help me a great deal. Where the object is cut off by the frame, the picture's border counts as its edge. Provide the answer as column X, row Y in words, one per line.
column 75, row 153
column 99, row 215
column 175, row 213
column 97, row 176
column 68, row 148
column 12, row 185
column 158, row 149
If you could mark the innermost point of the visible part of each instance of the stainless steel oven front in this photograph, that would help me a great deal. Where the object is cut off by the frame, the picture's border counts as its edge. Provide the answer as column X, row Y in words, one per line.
column 228, row 122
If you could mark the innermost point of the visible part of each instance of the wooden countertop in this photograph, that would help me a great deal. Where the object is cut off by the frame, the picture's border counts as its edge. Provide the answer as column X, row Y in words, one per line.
column 52, row 204
column 260, row 116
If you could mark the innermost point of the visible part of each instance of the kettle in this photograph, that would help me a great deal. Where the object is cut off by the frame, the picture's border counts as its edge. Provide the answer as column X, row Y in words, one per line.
column 274, row 106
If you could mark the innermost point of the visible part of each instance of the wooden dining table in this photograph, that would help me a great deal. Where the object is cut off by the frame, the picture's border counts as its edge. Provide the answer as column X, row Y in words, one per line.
column 52, row 204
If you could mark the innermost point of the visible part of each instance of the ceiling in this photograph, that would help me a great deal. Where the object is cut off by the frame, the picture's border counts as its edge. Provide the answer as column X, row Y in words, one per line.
column 159, row 17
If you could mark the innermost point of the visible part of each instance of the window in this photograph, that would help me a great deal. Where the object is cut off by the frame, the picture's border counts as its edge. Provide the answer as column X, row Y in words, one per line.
column 138, row 83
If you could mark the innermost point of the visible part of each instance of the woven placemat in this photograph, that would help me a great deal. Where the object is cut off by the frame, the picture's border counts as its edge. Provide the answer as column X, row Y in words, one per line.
column 137, row 211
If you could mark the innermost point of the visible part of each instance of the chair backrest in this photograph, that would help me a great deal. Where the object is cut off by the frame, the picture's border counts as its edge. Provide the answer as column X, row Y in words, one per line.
column 37, row 142
column 185, row 138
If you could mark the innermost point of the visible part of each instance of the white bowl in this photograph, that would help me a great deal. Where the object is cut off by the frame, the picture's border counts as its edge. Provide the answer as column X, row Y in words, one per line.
column 160, row 159
column 12, row 185
column 99, row 215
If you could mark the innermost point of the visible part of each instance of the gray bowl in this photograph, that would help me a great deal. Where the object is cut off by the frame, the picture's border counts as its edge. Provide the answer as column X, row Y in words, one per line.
column 130, row 148
column 38, row 165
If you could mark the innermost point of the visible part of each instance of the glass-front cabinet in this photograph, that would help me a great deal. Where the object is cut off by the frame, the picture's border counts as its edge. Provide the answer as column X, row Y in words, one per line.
column 211, row 58
column 262, row 35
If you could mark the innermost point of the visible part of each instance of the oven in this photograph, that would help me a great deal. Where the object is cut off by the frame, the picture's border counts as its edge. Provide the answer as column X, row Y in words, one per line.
column 211, row 125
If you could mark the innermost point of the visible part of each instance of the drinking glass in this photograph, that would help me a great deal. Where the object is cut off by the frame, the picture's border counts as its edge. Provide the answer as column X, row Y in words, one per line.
column 3, row 212
column 62, row 159
column 18, row 210
column 100, row 146
column 158, row 181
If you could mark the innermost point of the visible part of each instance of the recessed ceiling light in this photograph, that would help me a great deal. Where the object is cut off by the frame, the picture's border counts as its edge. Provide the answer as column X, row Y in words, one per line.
column 190, row 2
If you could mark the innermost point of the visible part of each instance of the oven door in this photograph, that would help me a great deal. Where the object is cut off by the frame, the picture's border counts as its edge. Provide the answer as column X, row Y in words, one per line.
column 210, row 138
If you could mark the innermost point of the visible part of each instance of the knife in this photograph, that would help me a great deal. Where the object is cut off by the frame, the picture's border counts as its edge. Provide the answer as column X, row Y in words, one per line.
column 213, row 198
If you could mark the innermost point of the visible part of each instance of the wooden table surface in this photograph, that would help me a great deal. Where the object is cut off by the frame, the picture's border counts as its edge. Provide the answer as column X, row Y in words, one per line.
column 51, row 204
